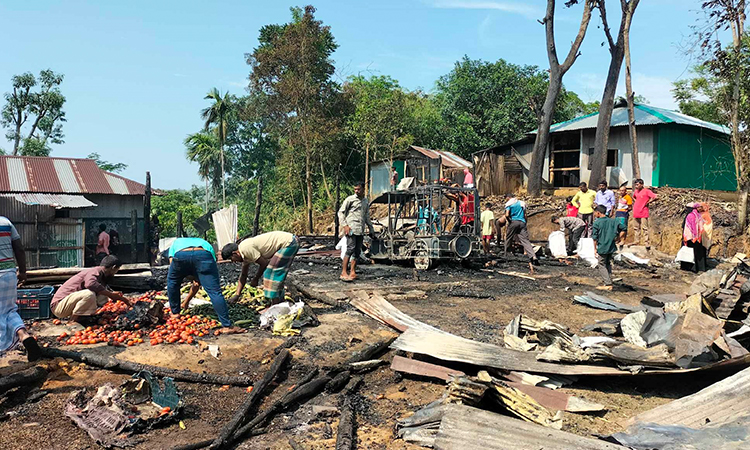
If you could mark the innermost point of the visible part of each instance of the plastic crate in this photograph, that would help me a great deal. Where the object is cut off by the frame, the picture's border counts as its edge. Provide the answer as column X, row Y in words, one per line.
column 35, row 303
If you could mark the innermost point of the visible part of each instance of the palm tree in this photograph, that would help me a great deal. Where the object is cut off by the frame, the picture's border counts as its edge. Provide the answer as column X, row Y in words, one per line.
column 216, row 115
column 203, row 148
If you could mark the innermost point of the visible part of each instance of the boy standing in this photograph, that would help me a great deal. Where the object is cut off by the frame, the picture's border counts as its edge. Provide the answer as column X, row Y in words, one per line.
column 624, row 206
column 643, row 197
column 606, row 232
column 488, row 224
column 584, row 201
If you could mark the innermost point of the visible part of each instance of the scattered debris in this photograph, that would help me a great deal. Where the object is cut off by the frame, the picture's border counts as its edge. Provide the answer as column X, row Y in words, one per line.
column 601, row 302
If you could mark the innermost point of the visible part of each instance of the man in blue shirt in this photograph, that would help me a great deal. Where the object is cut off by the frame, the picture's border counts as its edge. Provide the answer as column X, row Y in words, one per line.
column 515, row 213
column 606, row 198
column 196, row 258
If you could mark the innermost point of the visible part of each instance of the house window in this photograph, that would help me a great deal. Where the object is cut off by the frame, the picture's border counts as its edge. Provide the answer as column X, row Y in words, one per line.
column 612, row 157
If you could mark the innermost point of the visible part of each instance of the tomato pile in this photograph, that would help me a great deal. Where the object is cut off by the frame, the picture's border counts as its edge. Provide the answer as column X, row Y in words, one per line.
column 181, row 329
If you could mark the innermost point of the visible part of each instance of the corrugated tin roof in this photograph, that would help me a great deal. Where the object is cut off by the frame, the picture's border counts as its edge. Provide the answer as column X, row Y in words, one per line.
column 62, row 176
column 644, row 115
column 449, row 159
column 55, row 200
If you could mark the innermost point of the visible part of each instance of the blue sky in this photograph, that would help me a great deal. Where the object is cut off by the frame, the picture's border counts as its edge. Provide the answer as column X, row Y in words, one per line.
column 136, row 71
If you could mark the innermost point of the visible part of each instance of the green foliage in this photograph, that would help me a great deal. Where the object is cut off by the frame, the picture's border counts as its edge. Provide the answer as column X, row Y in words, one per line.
column 485, row 103
column 165, row 207
column 40, row 109
column 380, row 119
column 292, row 72
column 107, row 166
column 699, row 97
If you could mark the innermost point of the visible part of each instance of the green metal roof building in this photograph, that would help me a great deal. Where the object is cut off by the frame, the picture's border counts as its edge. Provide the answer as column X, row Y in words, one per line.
column 673, row 150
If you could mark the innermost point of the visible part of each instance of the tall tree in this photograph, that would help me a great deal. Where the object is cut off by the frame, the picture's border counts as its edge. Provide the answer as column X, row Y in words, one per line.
column 40, row 109
column 730, row 66
column 380, row 119
column 203, row 148
column 292, row 68
column 216, row 116
column 105, row 165
column 556, row 73
column 617, row 53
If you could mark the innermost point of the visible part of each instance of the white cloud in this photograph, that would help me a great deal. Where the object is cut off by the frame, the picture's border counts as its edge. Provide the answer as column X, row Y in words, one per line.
column 504, row 6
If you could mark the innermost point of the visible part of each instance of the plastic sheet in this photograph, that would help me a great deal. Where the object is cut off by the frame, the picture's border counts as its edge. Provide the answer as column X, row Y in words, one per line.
column 225, row 224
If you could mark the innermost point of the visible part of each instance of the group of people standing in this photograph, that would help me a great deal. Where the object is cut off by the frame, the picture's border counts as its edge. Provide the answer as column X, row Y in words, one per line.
column 604, row 217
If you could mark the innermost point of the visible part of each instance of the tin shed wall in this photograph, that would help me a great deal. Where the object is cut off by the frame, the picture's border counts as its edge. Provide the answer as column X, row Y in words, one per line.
column 692, row 157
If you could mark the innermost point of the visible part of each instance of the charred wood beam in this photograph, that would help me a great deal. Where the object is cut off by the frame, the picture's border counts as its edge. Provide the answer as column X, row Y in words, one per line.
column 251, row 401
column 22, row 378
column 116, row 365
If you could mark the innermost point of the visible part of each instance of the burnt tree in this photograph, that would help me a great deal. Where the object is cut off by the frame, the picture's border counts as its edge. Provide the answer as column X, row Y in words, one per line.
column 556, row 73
column 617, row 53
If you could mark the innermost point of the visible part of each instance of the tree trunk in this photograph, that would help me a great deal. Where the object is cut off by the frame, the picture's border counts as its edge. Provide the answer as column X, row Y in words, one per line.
column 542, row 136
column 631, row 108
column 337, row 205
column 599, row 163
column 258, row 202
column 308, row 180
column 557, row 71
column 17, row 137
column 743, row 185
column 367, row 170
column 325, row 181
column 223, row 187
column 617, row 51
column 206, row 211
column 147, row 219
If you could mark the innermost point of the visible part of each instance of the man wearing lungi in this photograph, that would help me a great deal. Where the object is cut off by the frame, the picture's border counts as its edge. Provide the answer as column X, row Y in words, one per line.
column 13, row 271
column 273, row 252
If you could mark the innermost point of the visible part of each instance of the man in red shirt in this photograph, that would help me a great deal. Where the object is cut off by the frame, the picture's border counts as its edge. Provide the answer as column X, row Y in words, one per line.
column 102, row 244
column 643, row 197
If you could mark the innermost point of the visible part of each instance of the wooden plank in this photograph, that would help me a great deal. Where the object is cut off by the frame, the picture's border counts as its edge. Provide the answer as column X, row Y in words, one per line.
column 466, row 428
column 721, row 402
column 416, row 367
column 556, row 400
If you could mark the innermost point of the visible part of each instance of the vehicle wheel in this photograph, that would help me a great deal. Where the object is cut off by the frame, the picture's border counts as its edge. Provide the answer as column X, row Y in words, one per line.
column 422, row 260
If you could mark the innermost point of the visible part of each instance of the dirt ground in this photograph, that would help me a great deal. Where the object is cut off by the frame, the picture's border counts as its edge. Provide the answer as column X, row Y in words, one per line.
column 466, row 301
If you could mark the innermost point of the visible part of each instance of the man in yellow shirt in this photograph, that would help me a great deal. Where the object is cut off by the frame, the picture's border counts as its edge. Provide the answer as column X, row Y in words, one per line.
column 274, row 253
column 488, row 224
column 584, row 201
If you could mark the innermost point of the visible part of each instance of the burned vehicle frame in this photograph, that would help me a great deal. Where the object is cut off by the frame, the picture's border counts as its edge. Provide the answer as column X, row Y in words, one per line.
column 425, row 224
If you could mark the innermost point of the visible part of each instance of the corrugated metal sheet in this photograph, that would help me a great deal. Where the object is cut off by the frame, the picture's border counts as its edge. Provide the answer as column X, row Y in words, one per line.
column 644, row 115
column 17, row 175
column 54, row 200
column 117, row 185
column 466, row 428
column 721, row 402
column 39, row 170
column 66, row 176
column 690, row 157
column 449, row 159
column 61, row 176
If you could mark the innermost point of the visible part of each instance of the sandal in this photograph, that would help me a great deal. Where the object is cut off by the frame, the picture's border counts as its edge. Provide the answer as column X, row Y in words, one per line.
column 345, row 279
column 33, row 351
